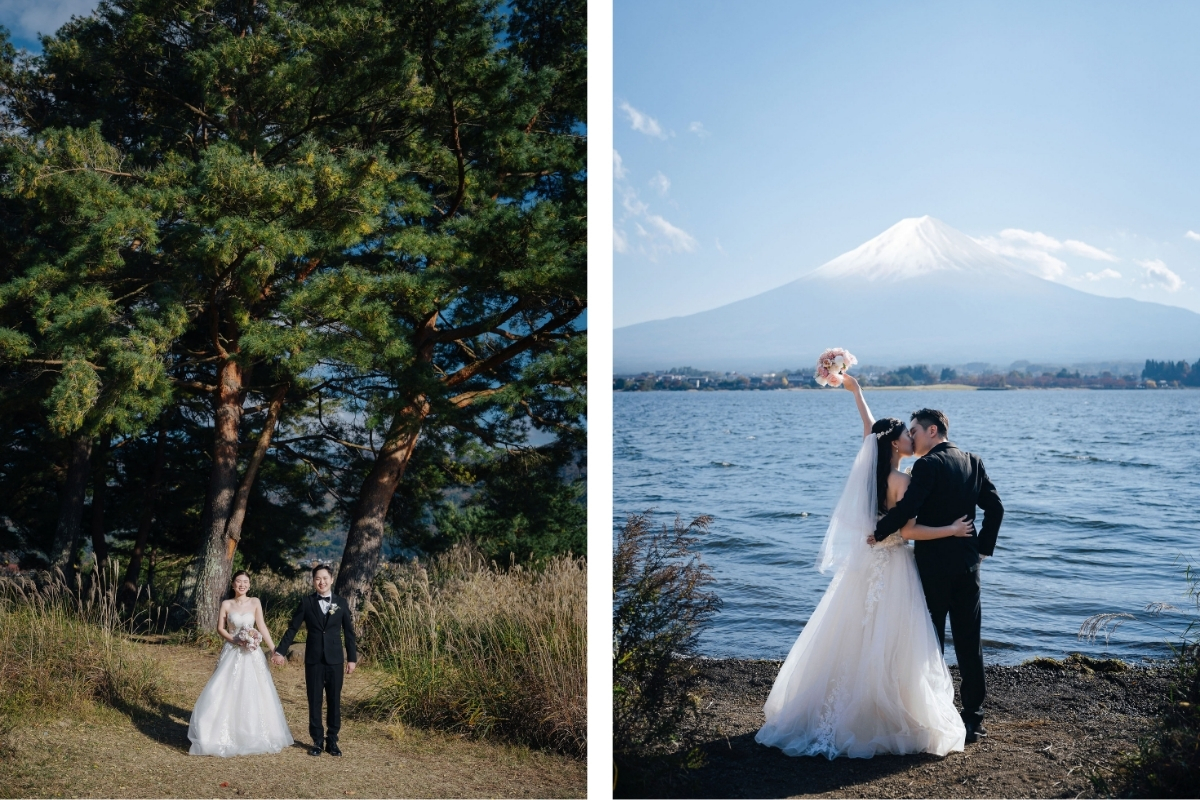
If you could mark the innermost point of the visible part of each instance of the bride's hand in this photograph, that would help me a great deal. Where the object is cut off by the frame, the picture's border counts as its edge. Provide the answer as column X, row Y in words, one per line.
column 963, row 527
column 849, row 382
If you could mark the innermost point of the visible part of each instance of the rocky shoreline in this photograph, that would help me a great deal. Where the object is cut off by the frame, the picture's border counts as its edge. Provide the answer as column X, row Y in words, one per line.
column 1056, row 729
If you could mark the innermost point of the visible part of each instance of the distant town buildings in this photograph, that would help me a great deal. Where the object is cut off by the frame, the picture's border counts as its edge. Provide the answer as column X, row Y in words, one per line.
column 1020, row 375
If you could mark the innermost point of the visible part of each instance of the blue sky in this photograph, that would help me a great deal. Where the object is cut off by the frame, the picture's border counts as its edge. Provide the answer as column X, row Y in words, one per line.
column 756, row 140
column 25, row 19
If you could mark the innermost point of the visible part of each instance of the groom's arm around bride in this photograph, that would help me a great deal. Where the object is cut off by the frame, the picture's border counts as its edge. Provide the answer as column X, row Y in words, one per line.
column 946, row 484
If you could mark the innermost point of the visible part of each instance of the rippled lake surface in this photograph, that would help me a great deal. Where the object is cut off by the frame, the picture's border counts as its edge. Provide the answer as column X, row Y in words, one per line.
column 1101, row 493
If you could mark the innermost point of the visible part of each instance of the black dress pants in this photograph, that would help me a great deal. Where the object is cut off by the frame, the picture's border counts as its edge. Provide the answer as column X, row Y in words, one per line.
column 324, row 679
column 957, row 594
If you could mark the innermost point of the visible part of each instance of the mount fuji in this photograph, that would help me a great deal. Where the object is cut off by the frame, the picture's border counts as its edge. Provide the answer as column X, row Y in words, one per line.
column 920, row 292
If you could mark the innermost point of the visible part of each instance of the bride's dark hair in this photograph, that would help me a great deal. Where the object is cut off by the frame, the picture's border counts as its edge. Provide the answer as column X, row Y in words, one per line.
column 886, row 431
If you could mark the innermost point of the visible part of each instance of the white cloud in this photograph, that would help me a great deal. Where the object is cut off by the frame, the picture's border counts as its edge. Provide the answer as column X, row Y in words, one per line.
column 1102, row 274
column 620, row 243
column 1036, row 248
column 633, row 204
column 1036, row 239
column 1087, row 251
column 643, row 123
column 720, row 249
column 656, row 235
column 27, row 18
column 1159, row 275
column 1192, row 235
column 698, row 129
column 677, row 239
column 1043, row 242
column 1046, row 265
column 618, row 167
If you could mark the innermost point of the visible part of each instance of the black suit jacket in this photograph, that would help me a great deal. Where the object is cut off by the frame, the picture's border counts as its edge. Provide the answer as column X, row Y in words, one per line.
column 324, row 632
column 947, row 484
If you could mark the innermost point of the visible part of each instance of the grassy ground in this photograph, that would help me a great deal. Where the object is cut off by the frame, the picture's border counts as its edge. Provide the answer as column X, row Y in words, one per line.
column 103, row 752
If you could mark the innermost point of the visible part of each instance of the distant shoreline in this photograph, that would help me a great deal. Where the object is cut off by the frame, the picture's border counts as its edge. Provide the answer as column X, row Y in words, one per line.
column 953, row 387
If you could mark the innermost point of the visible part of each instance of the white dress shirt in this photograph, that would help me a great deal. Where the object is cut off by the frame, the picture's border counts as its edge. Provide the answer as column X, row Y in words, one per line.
column 325, row 601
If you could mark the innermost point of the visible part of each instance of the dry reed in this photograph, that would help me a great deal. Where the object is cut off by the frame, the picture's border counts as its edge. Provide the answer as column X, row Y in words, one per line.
column 63, row 647
column 468, row 647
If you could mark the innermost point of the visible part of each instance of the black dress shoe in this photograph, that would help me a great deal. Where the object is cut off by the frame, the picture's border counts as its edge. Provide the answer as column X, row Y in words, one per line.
column 333, row 750
column 975, row 732
column 315, row 750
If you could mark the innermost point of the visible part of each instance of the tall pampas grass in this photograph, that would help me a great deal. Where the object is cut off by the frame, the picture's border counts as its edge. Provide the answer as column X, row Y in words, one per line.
column 64, row 646
column 470, row 647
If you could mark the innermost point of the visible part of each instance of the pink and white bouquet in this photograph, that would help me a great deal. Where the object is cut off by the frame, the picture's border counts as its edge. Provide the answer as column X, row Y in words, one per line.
column 832, row 364
column 247, row 638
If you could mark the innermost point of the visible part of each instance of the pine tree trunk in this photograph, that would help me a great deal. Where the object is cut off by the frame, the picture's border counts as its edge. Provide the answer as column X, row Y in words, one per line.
column 216, row 563
column 70, row 513
column 233, row 528
column 133, row 571
column 99, row 490
column 363, row 554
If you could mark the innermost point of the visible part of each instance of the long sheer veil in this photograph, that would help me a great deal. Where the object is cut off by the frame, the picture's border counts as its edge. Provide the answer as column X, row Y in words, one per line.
column 854, row 516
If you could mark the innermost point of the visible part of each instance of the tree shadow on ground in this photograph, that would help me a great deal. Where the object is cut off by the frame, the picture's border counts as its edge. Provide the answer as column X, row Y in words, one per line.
column 741, row 767
column 165, row 723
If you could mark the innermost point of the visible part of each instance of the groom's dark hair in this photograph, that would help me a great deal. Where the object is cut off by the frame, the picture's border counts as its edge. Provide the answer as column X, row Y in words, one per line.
column 931, row 416
column 320, row 567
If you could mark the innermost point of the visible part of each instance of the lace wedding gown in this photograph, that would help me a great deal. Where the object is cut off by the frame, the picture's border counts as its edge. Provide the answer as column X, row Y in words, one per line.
column 866, row 675
column 239, row 712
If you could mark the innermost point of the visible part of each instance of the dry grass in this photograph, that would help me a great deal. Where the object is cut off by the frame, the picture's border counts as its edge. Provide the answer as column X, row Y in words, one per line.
column 63, row 648
column 472, row 648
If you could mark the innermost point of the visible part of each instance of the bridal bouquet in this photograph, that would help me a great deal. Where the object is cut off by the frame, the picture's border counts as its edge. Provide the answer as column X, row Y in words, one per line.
column 832, row 364
column 247, row 638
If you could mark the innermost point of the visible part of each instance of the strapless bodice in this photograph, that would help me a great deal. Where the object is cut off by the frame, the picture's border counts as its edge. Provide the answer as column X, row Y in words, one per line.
column 241, row 619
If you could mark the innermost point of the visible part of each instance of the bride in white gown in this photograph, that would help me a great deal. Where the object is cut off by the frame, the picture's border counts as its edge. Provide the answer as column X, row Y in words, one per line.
column 238, row 713
column 866, row 675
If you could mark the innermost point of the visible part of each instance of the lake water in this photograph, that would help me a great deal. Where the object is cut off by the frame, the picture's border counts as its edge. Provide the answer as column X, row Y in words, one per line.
column 1101, row 492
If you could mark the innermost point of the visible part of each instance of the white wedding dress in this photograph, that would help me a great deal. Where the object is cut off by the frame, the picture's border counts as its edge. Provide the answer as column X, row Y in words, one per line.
column 239, row 712
column 866, row 676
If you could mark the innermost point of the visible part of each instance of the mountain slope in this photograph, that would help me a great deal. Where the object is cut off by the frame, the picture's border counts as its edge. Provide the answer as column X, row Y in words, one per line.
column 920, row 292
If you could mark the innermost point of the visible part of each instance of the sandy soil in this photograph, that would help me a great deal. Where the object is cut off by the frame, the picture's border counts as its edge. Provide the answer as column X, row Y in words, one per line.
column 110, row 754
column 1050, row 731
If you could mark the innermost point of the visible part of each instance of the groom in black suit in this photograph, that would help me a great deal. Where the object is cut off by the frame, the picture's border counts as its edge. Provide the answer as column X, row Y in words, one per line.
column 947, row 484
column 327, row 618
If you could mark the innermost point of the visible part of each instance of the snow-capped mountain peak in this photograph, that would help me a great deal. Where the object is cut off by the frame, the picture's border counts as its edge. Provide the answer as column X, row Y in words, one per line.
column 912, row 248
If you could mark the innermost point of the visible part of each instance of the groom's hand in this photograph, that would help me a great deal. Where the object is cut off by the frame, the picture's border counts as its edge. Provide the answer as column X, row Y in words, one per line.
column 278, row 660
column 350, row 665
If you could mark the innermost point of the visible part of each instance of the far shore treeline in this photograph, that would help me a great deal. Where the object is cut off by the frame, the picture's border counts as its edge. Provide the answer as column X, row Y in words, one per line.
column 1021, row 375
column 277, row 274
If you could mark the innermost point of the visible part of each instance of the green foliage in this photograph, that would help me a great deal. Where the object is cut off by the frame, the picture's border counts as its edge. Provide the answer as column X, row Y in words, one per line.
column 522, row 504
column 1180, row 371
column 660, row 606
column 307, row 190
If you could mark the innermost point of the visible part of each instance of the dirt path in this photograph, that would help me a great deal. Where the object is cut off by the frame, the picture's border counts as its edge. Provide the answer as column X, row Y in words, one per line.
column 110, row 754
column 1050, row 730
